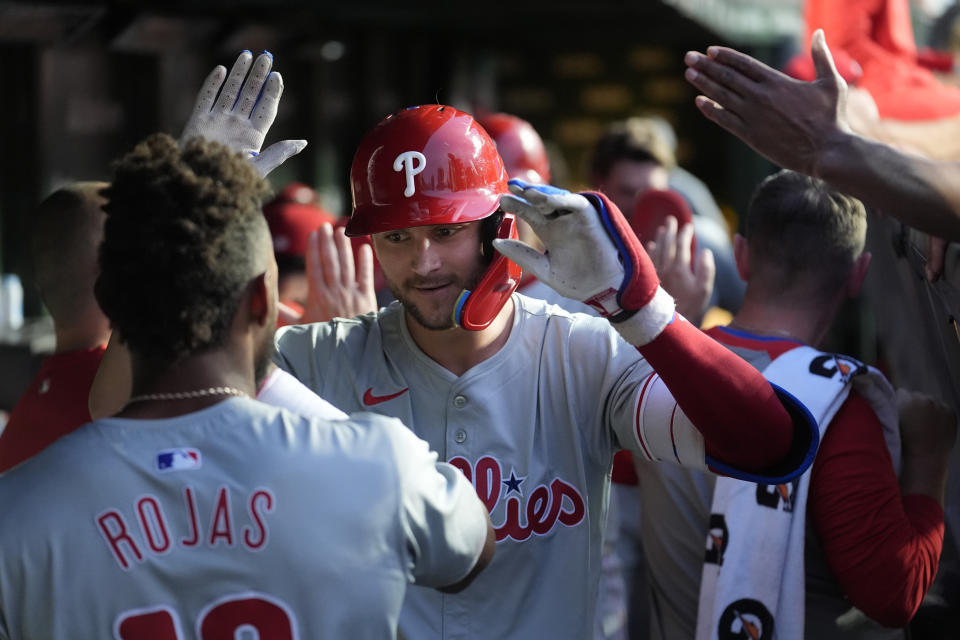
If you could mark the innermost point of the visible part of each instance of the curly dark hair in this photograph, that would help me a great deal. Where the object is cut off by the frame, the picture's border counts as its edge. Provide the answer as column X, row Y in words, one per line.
column 179, row 245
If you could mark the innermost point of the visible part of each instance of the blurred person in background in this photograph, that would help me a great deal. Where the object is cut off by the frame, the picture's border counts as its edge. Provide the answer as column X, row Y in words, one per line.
column 637, row 155
column 292, row 215
column 66, row 230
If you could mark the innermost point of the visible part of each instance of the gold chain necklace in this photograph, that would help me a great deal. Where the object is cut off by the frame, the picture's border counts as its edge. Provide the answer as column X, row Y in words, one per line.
column 187, row 395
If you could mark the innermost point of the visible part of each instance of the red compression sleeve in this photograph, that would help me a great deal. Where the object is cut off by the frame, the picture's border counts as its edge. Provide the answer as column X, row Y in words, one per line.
column 731, row 403
column 882, row 547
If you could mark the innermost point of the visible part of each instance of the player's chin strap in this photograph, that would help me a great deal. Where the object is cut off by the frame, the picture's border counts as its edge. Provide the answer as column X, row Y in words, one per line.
column 476, row 309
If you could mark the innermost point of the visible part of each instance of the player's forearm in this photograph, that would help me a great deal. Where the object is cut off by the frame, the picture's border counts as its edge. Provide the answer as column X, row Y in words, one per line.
column 731, row 403
column 921, row 192
column 883, row 546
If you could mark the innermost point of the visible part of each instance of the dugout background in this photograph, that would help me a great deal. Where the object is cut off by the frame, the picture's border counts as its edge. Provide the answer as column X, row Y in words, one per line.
column 83, row 81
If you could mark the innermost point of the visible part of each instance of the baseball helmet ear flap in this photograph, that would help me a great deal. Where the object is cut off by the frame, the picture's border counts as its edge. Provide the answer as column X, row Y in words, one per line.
column 476, row 309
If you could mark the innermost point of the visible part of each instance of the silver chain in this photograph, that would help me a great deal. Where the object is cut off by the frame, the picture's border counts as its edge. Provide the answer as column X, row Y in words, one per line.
column 186, row 395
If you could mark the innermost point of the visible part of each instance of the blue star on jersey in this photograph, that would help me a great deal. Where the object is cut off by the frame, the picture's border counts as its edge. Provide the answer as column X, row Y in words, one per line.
column 513, row 482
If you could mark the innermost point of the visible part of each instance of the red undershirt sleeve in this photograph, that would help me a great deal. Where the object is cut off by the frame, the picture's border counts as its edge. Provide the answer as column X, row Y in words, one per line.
column 882, row 547
column 731, row 403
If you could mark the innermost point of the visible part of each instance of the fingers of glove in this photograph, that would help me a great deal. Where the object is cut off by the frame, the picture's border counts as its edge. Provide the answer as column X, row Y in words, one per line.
column 231, row 88
column 549, row 200
column 276, row 154
column 684, row 240
column 208, row 92
column 525, row 211
column 348, row 271
column 265, row 110
column 254, row 84
column 520, row 187
column 526, row 256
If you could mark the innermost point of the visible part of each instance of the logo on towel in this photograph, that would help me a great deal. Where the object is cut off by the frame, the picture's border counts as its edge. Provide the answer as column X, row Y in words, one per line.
column 178, row 459
column 745, row 619
column 774, row 495
column 830, row 364
column 717, row 539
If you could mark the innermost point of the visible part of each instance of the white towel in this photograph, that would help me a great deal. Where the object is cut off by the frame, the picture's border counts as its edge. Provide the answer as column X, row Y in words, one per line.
column 753, row 576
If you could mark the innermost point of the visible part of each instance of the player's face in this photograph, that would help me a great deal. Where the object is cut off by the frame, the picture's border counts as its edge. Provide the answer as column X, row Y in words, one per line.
column 628, row 179
column 426, row 268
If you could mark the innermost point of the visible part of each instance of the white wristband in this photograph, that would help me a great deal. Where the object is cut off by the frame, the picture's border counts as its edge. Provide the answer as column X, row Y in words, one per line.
column 649, row 322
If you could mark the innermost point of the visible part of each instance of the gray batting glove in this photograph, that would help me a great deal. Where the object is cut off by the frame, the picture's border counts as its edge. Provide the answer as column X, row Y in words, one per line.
column 244, row 111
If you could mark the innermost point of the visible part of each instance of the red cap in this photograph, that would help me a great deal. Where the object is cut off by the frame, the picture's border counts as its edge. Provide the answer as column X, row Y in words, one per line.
column 520, row 146
column 425, row 165
column 651, row 210
column 291, row 217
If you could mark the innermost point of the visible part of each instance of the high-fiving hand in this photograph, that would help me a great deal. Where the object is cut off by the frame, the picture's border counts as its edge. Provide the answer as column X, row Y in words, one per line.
column 244, row 111
column 592, row 255
column 338, row 287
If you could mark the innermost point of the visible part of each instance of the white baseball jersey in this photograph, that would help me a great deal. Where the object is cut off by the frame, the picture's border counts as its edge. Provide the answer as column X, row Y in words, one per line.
column 534, row 427
column 280, row 389
column 240, row 520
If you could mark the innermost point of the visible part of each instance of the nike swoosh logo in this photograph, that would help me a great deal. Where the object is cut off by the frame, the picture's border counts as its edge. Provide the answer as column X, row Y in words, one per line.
column 370, row 399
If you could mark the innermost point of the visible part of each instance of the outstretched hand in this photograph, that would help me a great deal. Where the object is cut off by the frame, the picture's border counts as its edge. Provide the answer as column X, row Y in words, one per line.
column 244, row 111
column 689, row 280
column 785, row 120
column 580, row 261
column 592, row 255
column 338, row 288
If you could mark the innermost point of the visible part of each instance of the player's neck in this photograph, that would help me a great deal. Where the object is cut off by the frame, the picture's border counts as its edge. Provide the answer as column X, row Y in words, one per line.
column 195, row 377
column 458, row 350
column 808, row 324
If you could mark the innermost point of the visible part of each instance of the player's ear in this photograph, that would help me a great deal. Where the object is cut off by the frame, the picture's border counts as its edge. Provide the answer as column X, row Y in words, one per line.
column 741, row 256
column 258, row 303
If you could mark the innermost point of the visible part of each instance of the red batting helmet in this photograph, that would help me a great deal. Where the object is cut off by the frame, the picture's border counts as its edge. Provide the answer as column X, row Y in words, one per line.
column 520, row 146
column 425, row 165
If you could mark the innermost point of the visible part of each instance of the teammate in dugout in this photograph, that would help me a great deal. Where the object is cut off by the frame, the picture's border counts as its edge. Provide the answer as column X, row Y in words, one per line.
column 196, row 511
column 530, row 402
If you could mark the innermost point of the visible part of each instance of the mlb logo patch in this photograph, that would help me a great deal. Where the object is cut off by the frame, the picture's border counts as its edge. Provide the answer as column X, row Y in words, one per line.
column 178, row 459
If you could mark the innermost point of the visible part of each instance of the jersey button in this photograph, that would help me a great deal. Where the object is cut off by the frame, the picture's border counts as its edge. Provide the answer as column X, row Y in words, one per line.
column 460, row 402
column 460, row 436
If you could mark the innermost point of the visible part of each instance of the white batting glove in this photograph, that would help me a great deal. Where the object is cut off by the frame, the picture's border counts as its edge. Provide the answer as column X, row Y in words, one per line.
column 591, row 255
column 244, row 111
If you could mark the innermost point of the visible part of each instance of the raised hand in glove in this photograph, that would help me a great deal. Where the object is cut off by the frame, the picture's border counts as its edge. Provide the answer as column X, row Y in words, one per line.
column 243, row 113
column 592, row 255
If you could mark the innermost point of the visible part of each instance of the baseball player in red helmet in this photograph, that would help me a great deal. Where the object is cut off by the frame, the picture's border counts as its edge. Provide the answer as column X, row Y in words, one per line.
column 528, row 401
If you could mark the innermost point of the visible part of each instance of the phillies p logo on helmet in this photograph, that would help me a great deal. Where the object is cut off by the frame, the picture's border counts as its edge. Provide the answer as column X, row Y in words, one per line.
column 411, row 163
